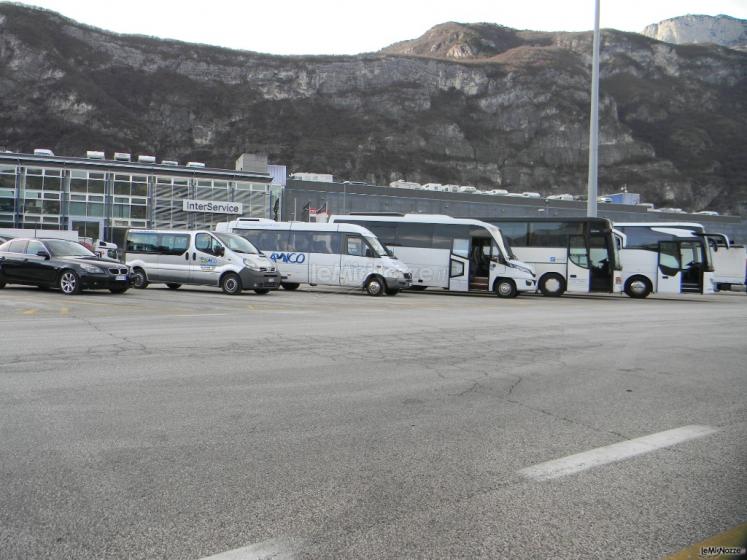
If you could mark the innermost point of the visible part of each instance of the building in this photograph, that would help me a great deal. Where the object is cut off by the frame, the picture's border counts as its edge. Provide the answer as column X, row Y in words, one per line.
column 101, row 198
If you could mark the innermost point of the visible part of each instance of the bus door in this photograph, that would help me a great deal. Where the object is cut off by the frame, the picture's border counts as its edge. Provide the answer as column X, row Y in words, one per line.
column 577, row 274
column 357, row 261
column 691, row 259
column 459, row 265
column 601, row 263
column 324, row 258
column 668, row 277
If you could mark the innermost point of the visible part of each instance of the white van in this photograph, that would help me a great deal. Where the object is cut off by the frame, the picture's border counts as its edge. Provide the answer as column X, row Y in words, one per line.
column 176, row 257
column 324, row 254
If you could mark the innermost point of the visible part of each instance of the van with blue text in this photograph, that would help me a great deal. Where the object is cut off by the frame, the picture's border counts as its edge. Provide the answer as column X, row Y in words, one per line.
column 324, row 254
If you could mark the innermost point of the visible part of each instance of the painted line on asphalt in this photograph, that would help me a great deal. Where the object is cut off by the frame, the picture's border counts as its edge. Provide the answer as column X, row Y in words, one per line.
column 273, row 549
column 613, row 453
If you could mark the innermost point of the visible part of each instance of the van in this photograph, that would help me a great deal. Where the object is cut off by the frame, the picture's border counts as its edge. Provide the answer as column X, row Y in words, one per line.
column 202, row 258
column 324, row 254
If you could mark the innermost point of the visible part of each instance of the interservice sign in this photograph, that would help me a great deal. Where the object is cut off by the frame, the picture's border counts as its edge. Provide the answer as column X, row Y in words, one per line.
column 213, row 206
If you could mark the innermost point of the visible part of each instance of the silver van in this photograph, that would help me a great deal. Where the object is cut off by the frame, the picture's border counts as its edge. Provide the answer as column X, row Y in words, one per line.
column 176, row 257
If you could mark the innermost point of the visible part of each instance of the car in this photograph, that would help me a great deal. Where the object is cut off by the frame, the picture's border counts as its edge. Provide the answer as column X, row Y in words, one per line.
column 62, row 264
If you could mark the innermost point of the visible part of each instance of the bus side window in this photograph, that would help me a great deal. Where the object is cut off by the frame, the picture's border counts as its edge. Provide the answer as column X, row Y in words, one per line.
column 354, row 246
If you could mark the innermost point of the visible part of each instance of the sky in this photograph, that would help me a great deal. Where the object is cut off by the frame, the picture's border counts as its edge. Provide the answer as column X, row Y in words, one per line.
column 352, row 27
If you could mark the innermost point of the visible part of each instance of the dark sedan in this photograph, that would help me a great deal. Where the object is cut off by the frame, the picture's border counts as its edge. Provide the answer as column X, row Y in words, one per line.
column 62, row 264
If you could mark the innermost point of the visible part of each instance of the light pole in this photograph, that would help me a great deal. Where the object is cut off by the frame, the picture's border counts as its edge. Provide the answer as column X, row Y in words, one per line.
column 591, row 203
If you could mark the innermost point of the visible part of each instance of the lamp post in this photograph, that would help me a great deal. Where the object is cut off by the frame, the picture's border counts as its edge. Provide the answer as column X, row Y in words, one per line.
column 591, row 203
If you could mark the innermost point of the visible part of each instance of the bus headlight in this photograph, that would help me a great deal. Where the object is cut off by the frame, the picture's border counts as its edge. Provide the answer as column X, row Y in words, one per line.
column 523, row 269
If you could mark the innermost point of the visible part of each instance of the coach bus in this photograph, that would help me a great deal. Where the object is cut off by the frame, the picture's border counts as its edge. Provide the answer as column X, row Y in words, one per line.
column 459, row 255
column 577, row 255
column 324, row 254
column 665, row 257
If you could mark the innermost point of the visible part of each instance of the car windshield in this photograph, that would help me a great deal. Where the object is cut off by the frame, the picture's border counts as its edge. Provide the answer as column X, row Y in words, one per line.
column 62, row 248
column 237, row 243
column 377, row 246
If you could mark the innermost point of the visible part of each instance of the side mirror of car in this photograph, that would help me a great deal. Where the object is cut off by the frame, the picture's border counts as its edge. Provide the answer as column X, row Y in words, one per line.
column 43, row 254
column 220, row 251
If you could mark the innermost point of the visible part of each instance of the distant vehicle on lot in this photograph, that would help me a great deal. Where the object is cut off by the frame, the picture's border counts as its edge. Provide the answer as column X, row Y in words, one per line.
column 708, row 213
column 59, row 263
column 459, row 255
column 203, row 258
column 326, row 254
column 560, row 197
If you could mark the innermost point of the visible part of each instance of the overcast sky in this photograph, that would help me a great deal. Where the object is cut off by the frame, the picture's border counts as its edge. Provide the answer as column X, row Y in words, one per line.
column 351, row 27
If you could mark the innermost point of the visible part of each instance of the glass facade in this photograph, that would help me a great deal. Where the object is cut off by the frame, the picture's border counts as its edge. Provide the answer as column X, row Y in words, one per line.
column 109, row 201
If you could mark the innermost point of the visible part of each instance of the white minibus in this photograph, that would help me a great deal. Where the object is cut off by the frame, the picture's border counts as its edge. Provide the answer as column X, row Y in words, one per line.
column 665, row 257
column 324, row 254
column 459, row 255
column 176, row 257
column 577, row 255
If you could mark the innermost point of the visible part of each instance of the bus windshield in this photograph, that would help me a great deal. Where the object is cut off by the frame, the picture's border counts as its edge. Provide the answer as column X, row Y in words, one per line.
column 502, row 242
column 237, row 243
column 377, row 247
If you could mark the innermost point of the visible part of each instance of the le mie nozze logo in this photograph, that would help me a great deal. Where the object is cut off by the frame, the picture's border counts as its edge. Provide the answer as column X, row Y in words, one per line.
column 213, row 206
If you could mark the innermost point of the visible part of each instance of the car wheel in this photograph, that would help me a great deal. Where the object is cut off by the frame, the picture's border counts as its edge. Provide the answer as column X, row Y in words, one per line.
column 139, row 279
column 374, row 286
column 505, row 288
column 392, row 291
column 173, row 285
column 118, row 290
column 231, row 284
column 552, row 285
column 290, row 286
column 69, row 282
column 638, row 287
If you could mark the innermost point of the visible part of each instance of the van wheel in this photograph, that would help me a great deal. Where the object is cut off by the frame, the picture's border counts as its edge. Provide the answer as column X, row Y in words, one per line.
column 392, row 291
column 173, row 285
column 262, row 291
column 69, row 282
column 290, row 286
column 374, row 286
column 552, row 285
column 638, row 287
column 139, row 279
column 505, row 288
column 231, row 284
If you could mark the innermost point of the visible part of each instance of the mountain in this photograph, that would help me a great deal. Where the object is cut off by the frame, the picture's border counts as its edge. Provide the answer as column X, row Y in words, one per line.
column 718, row 30
column 473, row 104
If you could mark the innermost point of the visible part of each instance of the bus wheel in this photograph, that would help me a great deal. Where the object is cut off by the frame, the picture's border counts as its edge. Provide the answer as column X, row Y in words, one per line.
column 392, row 291
column 552, row 285
column 139, row 279
column 638, row 287
column 231, row 284
column 374, row 286
column 290, row 286
column 505, row 288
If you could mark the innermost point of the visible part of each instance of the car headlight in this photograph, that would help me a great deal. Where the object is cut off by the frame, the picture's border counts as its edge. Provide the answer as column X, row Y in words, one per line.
column 92, row 269
column 251, row 265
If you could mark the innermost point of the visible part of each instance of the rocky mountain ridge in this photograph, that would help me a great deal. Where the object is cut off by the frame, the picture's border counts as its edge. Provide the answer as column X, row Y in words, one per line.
column 466, row 103
column 721, row 30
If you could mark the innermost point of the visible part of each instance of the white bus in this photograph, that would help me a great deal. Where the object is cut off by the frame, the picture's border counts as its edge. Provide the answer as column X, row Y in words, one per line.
column 324, row 254
column 459, row 255
column 665, row 257
column 578, row 255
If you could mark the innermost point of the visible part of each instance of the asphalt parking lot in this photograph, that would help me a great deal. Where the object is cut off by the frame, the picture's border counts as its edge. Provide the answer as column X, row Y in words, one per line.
column 329, row 424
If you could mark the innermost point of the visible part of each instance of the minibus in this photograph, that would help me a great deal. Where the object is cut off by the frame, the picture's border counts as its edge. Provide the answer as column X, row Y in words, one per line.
column 177, row 257
column 459, row 255
column 324, row 254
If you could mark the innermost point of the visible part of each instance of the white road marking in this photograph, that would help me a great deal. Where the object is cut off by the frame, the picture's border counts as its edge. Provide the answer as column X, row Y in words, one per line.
column 615, row 452
column 273, row 549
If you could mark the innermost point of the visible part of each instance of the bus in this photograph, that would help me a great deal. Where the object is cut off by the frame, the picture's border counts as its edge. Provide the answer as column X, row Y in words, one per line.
column 577, row 255
column 459, row 255
column 665, row 257
column 324, row 254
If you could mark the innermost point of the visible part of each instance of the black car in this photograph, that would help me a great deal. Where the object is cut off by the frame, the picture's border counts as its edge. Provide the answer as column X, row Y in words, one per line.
column 59, row 263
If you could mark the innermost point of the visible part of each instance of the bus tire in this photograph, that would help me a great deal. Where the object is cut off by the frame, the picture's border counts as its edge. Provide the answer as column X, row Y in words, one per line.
column 173, row 285
column 638, row 287
column 374, row 286
column 552, row 285
column 392, row 291
column 231, row 284
column 139, row 279
column 505, row 288
column 290, row 286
